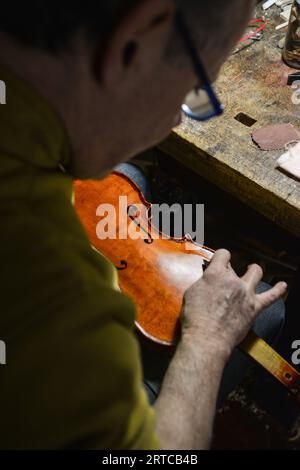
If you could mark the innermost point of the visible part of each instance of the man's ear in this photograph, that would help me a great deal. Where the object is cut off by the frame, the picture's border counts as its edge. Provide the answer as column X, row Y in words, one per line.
column 138, row 43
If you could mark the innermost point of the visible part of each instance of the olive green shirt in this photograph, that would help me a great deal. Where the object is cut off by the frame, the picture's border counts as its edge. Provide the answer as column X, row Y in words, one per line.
column 73, row 376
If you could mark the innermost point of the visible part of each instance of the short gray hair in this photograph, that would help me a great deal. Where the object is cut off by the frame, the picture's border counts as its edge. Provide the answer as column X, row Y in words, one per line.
column 50, row 24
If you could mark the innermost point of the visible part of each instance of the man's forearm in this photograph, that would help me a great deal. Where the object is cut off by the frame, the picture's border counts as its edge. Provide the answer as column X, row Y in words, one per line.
column 187, row 402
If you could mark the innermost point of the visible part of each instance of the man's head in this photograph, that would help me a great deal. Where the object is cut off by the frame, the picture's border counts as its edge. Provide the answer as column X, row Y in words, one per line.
column 116, row 70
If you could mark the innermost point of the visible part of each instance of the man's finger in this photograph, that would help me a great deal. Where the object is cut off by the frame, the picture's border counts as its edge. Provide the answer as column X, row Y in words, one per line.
column 253, row 276
column 268, row 298
column 221, row 259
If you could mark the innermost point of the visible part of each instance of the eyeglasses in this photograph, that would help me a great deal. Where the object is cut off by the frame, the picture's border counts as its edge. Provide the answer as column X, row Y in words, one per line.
column 202, row 103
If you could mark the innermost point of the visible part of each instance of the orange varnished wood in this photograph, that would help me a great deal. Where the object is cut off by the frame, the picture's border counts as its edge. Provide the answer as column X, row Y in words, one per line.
column 156, row 274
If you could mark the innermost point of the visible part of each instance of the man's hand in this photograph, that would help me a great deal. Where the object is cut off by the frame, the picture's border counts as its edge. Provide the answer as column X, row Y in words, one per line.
column 222, row 307
column 218, row 312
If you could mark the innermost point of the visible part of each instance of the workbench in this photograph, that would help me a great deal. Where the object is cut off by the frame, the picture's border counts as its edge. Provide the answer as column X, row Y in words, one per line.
column 252, row 82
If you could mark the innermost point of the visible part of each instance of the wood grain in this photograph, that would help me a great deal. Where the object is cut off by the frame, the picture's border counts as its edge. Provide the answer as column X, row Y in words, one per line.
column 253, row 82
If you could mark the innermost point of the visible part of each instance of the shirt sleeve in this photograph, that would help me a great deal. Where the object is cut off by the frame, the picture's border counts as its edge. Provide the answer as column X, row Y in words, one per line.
column 109, row 398
column 73, row 377
column 81, row 380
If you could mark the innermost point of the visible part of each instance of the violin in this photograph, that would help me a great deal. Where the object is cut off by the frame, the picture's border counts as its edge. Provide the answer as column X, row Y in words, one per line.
column 155, row 270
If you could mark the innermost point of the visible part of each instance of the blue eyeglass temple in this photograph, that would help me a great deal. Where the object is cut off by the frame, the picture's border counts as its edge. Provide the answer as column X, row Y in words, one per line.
column 218, row 108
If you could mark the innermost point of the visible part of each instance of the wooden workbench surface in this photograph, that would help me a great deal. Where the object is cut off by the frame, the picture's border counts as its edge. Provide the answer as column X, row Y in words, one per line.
column 253, row 82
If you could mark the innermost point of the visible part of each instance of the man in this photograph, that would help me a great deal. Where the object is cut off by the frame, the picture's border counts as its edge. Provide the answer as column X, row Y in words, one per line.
column 90, row 86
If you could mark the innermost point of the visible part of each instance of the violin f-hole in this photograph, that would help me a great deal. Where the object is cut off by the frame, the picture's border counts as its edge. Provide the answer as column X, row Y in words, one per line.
column 133, row 212
column 123, row 265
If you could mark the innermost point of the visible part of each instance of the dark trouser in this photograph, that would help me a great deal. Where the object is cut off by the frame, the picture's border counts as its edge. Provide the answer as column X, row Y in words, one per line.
column 267, row 326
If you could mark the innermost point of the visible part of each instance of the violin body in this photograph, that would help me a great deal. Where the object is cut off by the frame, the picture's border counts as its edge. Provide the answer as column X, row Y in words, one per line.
column 156, row 271
column 153, row 270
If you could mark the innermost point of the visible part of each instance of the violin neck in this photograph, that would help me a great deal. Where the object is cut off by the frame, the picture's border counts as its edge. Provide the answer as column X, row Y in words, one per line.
column 270, row 360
